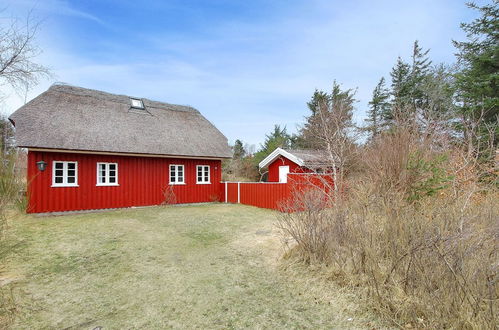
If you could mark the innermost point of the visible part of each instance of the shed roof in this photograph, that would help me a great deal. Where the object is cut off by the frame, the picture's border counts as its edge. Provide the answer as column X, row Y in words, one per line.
column 74, row 118
column 303, row 157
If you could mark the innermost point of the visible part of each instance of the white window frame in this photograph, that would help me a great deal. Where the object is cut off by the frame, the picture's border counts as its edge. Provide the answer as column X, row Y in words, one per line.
column 204, row 179
column 176, row 170
column 106, row 176
column 139, row 104
column 64, row 174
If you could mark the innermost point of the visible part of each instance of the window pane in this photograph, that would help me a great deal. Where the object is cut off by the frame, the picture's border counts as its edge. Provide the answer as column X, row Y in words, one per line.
column 112, row 173
column 71, row 166
column 71, row 173
column 172, row 179
column 59, row 165
column 71, row 179
column 58, row 172
column 58, row 180
column 112, row 180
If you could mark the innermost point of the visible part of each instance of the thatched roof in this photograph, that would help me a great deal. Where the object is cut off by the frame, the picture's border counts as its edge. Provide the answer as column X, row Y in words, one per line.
column 311, row 158
column 74, row 118
column 303, row 157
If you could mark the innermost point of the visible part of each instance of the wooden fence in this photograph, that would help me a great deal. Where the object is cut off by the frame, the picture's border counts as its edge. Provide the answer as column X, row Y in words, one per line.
column 272, row 195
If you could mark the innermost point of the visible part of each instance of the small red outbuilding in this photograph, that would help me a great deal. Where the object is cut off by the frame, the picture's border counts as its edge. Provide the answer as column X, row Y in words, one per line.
column 89, row 149
column 283, row 161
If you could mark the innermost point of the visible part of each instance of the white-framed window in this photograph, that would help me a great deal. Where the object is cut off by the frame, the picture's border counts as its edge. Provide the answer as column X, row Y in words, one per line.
column 203, row 174
column 107, row 174
column 64, row 174
column 177, row 175
column 137, row 103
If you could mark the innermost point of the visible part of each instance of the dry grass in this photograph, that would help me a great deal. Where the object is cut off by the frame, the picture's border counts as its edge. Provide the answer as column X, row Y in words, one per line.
column 206, row 266
column 422, row 247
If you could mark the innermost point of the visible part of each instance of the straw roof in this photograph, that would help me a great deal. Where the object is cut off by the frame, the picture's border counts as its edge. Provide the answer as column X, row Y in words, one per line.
column 75, row 118
column 311, row 158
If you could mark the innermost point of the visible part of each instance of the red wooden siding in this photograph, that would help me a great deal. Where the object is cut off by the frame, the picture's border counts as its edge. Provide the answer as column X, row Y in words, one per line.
column 283, row 161
column 273, row 195
column 142, row 181
column 264, row 195
column 232, row 192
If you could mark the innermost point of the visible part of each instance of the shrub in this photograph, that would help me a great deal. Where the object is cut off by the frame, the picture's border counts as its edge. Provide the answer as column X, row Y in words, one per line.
column 11, row 197
column 431, row 263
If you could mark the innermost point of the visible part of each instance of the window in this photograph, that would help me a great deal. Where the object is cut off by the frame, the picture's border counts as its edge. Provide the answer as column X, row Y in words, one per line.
column 203, row 174
column 65, row 174
column 137, row 103
column 107, row 174
column 177, row 174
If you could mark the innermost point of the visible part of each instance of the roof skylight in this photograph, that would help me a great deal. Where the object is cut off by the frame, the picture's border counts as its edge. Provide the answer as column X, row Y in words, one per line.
column 137, row 103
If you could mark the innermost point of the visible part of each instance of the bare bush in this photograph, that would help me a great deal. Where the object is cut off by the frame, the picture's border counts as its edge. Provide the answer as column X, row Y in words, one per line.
column 430, row 261
column 169, row 196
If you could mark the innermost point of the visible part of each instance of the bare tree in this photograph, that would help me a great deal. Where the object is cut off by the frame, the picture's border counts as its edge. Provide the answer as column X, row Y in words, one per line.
column 330, row 128
column 18, row 51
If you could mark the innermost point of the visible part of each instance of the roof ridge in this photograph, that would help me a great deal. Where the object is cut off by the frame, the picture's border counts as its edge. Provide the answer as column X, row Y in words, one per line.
column 121, row 98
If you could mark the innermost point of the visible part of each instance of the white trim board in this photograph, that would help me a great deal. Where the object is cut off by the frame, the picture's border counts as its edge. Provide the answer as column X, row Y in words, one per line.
column 280, row 152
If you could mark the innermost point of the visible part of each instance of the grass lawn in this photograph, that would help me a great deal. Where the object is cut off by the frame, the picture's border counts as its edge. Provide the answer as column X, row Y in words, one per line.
column 204, row 266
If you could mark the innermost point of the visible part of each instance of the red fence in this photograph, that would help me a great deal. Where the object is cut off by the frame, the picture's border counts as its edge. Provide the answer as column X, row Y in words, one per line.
column 272, row 195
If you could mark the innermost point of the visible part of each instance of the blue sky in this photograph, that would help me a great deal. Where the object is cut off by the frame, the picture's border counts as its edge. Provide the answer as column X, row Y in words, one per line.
column 246, row 65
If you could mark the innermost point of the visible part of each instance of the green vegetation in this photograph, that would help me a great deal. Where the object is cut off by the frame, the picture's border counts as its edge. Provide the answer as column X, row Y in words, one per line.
column 205, row 266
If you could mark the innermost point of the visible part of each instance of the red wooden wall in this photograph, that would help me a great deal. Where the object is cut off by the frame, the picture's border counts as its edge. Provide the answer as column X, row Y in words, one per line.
column 142, row 181
column 264, row 195
column 272, row 195
column 232, row 192
column 283, row 161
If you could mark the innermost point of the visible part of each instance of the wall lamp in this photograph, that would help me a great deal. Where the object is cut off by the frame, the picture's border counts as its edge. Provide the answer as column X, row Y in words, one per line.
column 41, row 165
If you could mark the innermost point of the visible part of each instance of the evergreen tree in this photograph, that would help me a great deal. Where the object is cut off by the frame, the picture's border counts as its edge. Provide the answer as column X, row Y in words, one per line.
column 318, row 98
column 400, row 89
column 238, row 149
column 420, row 68
column 408, row 97
column 324, row 107
column 478, row 81
column 379, row 106
column 278, row 138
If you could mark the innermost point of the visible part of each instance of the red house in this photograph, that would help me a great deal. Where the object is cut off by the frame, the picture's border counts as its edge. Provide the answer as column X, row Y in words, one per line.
column 281, row 162
column 94, row 150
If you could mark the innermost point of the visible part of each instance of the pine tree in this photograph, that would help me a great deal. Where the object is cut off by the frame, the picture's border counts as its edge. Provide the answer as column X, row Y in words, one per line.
column 339, row 104
column 400, row 89
column 239, row 151
column 478, row 81
column 278, row 138
column 318, row 98
column 379, row 106
column 420, row 68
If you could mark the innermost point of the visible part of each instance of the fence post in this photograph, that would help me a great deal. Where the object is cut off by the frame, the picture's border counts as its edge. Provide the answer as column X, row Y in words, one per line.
column 225, row 191
column 239, row 193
